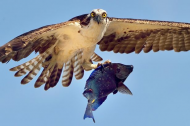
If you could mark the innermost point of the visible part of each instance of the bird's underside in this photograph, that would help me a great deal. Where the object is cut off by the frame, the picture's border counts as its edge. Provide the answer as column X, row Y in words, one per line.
column 69, row 46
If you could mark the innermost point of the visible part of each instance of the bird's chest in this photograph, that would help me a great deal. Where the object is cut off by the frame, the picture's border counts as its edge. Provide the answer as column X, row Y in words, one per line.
column 74, row 38
column 77, row 38
column 92, row 34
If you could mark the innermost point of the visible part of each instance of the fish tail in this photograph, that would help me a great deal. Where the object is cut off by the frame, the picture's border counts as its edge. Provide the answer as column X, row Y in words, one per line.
column 88, row 113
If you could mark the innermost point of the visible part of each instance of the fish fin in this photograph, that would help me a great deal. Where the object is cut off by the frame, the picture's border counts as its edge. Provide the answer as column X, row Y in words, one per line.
column 88, row 113
column 123, row 89
column 98, row 102
column 115, row 92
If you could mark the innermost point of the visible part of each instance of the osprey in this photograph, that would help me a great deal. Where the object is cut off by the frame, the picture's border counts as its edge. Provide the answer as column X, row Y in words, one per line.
column 70, row 45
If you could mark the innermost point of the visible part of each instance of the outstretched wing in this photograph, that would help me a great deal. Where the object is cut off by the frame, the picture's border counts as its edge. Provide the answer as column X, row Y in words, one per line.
column 38, row 40
column 43, row 40
column 133, row 35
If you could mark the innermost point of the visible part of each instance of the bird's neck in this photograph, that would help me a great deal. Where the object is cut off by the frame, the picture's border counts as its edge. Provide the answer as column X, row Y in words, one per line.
column 94, row 31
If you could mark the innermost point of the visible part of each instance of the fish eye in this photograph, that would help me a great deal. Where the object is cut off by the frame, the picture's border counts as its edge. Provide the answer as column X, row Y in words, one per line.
column 104, row 15
column 118, row 70
column 92, row 14
column 88, row 91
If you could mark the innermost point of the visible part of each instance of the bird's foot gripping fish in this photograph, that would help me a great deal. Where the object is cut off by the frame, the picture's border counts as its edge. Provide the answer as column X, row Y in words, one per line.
column 107, row 78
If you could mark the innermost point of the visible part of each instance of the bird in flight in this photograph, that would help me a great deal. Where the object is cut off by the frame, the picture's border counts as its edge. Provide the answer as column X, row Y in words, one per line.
column 69, row 46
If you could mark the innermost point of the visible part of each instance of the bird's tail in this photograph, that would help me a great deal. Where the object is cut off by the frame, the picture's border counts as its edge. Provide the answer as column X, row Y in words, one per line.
column 52, row 70
column 31, row 67
column 95, row 57
column 75, row 66
column 50, row 74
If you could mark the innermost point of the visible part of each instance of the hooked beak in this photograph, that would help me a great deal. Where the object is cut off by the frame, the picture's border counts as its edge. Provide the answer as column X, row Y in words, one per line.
column 97, row 18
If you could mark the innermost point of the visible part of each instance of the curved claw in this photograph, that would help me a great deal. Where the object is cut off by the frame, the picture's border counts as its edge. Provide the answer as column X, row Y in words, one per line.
column 89, row 66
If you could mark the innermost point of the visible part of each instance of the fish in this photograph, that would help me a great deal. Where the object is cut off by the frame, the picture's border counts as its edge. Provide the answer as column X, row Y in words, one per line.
column 104, row 80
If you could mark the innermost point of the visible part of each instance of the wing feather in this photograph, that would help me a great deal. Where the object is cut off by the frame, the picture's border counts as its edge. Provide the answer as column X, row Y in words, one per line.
column 135, row 35
column 67, row 73
column 78, row 69
column 38, row 40
column 43, row 40
column 95, row 57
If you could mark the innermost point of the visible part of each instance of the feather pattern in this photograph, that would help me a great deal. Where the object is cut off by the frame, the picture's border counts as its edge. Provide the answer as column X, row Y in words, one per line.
column 32, row 73
column 31, row 66
column 50, row 75
column 95, row 57
column 42, row 78
column 55, row 75
column 135, row 35
column 58, row 43
column 47, row 85
column 67, row 74
column 38, row 40
column 43, row 40
column 78, row 69
column 24, row 65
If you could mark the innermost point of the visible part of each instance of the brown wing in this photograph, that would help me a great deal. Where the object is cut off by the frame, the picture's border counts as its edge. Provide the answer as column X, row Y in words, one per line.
column 133, row 35
column 38, row 40
column 23, row 45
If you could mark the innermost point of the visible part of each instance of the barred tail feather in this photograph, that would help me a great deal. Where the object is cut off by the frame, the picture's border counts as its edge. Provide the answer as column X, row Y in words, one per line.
column 32, row 67
column 28, row 66
column 32, row 73
column 95, row 57
column 67, row 74
column 55, row 75
column 47, row 85
column 78, row 69
column 52, row 70
column 42, row 78
column 50, row 77
column 24, row 65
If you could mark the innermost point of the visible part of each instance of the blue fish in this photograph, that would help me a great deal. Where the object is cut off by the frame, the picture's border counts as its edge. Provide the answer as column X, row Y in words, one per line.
column 106, row 79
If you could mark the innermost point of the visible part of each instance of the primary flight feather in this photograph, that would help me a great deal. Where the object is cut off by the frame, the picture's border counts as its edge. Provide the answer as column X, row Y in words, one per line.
column 69, row 46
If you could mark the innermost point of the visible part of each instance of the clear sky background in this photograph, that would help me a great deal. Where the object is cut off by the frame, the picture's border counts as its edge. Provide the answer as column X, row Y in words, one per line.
column 160, row 81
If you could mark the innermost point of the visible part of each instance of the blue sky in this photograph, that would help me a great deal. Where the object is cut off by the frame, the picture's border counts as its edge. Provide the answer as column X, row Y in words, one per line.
column 160, row 82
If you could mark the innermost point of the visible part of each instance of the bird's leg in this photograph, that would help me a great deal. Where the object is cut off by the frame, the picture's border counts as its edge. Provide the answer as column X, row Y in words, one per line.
column 89, row 65
column 106, row 62
column 102, row 64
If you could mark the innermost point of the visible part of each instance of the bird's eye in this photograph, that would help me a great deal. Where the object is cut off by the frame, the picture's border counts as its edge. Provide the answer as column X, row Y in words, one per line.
column 92, row 14
column 104, row 15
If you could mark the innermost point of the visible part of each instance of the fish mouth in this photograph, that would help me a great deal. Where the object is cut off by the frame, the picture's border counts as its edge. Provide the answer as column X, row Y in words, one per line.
column 88, row 93
column 130, row 68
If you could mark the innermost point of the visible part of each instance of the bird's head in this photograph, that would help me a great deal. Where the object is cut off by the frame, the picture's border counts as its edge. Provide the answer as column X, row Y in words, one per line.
column 99, row 16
